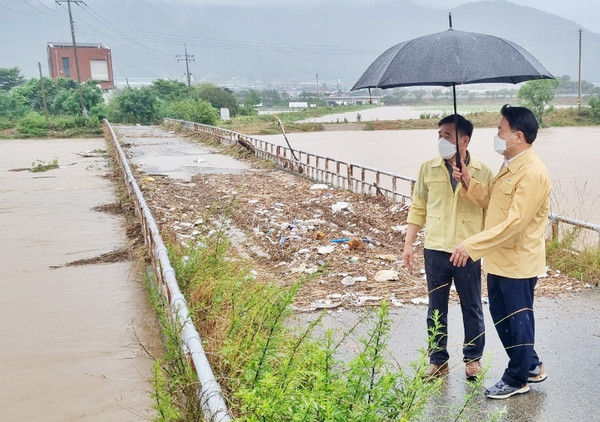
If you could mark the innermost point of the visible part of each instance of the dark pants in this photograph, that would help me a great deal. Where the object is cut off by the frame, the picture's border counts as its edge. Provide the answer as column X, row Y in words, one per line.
column 440, row 272
column 511, row 306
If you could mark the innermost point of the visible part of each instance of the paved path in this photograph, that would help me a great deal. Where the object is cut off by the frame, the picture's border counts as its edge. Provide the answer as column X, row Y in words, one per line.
column 567, row 339
column 69, row 337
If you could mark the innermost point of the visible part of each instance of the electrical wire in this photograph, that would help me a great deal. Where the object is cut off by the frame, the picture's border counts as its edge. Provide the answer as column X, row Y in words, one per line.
column 16, row 11
column 137, row 37
column 39, row 10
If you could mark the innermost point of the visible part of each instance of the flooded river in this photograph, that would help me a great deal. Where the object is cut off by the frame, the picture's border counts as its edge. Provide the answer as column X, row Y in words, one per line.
column 71, row 337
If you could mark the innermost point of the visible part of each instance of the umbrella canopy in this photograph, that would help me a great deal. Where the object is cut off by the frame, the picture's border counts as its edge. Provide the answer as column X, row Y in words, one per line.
column 452, row 58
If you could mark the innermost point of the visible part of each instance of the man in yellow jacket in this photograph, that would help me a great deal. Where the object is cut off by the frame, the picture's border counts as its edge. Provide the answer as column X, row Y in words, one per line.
column 448, row 219
column 512, row 245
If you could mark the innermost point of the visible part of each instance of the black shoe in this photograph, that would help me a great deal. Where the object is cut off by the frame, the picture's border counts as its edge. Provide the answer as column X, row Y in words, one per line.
column 538, row 374
column 502, row 390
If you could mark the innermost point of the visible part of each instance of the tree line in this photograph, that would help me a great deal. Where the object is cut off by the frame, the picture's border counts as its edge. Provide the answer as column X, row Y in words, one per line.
column 22, row 101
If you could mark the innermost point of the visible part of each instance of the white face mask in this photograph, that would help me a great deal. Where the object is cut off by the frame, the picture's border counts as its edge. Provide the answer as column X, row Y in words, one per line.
column 446, row 148
column 500, row 144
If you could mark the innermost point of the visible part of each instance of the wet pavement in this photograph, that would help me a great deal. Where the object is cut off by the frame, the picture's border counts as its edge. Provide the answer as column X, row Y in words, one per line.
column 73, row 338
column 567, row 340
column 158, row 152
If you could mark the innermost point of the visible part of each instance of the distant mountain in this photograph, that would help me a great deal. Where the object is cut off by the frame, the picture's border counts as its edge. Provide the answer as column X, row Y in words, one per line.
column 282, row 43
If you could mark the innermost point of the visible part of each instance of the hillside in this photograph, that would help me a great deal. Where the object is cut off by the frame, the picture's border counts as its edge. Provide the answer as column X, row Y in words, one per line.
column 336, row 40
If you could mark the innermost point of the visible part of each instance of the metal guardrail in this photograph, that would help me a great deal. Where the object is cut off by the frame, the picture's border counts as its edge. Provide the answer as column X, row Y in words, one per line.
column 210, row 395
column 555, row 219
column 354, row 177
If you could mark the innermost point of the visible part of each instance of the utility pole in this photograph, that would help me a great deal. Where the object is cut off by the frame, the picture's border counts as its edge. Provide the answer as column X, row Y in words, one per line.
column 188, row 58
column 43, row 94
column 579, row 97
column 317, row 76
column 81, row 101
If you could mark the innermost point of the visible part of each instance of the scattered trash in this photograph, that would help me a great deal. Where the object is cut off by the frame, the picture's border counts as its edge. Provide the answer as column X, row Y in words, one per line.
column 253, row 201
column 319, row 186
column 386, row 275
column 360, row 279
column 388, row 257
column 353, row 260
column 401, row 228
column 348, row 281
column 341, row 206
column 324, row 304
column 319, row 235
column 345, row 239
column 420, row 301
column 363, row 299
column 324, row 250
column 396, row 302
column 357, row 244
column 282, row 240
column 303, row 251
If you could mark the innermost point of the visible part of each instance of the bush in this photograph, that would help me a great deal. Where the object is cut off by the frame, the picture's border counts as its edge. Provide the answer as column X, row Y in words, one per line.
column 136, row 106
column 193, row 110
column 33, row 124
column 594, row 103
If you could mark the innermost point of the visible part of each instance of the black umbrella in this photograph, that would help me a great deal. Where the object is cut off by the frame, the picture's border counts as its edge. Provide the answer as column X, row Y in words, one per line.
column 452, row 58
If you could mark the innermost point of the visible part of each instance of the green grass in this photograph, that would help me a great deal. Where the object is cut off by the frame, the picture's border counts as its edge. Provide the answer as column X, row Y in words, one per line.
column 270, row 371
column 579, row 262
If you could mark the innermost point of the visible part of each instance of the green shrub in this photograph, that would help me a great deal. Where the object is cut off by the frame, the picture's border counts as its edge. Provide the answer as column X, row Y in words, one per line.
column 193, row 110
column 136, row 106
column 33, row 124
column 594, row 103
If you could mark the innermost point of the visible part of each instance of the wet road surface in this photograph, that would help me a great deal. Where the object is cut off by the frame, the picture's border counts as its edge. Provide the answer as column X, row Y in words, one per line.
column 567, row 340
column 70, row 337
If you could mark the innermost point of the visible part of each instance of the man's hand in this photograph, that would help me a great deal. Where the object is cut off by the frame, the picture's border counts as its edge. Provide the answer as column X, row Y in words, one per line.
column 462, row 176
column 460, row 256
column 409, row 256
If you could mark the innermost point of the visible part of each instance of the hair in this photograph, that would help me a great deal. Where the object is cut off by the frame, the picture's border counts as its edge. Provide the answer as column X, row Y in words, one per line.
column 464, row 126
column 521, row 119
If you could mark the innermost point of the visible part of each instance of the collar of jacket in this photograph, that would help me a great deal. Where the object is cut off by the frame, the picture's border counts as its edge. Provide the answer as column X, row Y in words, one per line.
column 471, row 162
column 521, row 159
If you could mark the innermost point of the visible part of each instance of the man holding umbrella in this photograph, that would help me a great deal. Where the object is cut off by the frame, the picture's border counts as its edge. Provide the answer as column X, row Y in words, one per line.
column 449, row 219
column 512, row 244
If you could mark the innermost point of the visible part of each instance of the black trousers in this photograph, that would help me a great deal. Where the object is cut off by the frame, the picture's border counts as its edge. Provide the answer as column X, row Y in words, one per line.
column 511, row 307
column 440, row 273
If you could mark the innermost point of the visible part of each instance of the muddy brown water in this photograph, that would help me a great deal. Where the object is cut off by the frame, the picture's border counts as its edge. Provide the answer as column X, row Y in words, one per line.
column 72, row 338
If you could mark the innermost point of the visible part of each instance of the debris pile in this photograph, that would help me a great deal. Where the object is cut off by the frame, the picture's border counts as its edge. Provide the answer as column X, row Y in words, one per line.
column 290, row 228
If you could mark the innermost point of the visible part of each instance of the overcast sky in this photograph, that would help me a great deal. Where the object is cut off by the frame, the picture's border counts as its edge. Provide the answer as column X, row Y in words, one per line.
column 584, row 12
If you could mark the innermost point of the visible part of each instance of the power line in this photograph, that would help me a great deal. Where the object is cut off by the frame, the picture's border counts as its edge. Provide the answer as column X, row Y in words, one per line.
column 95, row 15
column 16, row 11
column 171, row 39
column 49, row 8
column 39, row 10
